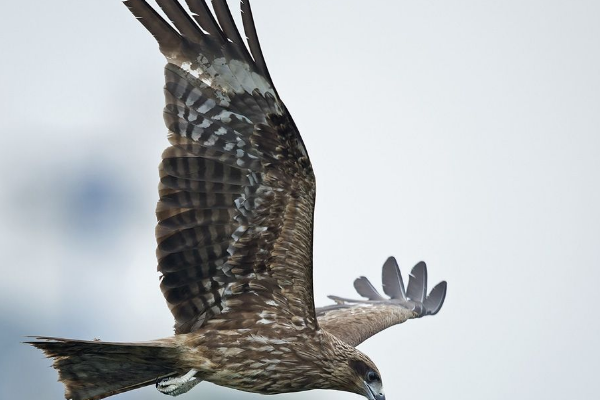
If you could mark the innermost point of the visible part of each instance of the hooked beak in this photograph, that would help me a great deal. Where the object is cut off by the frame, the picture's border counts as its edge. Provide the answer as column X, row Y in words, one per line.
column 372, row 395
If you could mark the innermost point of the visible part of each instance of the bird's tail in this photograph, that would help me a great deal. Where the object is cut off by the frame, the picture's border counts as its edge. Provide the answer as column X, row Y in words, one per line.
column 93, row 370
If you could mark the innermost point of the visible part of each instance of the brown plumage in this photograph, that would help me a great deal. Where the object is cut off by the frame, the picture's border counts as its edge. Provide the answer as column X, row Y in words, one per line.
column 234, row 233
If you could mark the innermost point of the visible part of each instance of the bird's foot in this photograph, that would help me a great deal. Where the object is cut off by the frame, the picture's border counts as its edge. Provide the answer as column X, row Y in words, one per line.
column 178, row 385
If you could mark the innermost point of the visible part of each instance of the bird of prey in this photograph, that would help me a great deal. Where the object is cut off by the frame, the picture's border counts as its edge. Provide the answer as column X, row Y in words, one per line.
column 235, row 235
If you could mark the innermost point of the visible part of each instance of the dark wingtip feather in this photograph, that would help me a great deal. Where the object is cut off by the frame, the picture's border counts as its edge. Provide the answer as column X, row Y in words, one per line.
column 205, row 18
column 168, row 38
column 434, row 302
column 252, row 39
column 417, row 283
column 393, row 285
column 180, row 18
column 227, row 24
column 366, row 289
column 43, row 339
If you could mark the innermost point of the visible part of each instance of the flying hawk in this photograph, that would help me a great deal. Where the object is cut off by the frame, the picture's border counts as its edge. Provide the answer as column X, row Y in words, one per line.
column 234, row 233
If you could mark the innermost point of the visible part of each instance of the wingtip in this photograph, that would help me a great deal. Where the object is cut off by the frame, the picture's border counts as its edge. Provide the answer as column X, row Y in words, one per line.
column 391, row 279
column 417, row 282
column 434, row 302
column 39, row 342
column 37, row 337
column 390, row 263
column 365, row 288
column 168, row 39
column 420, row 265
column 252, row 40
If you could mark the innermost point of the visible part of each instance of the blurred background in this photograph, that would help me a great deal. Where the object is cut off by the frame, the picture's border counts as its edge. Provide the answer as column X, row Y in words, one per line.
column 462, row 133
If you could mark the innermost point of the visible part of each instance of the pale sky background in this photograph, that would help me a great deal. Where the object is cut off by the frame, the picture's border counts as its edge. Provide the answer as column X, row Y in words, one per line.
column 462, row 133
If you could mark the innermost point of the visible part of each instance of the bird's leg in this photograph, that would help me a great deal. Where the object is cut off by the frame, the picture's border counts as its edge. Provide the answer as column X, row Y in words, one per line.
column 178, row 385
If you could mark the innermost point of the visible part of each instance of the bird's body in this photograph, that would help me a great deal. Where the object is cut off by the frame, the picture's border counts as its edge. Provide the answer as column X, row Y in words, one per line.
column 235, row 224
column 281, row 361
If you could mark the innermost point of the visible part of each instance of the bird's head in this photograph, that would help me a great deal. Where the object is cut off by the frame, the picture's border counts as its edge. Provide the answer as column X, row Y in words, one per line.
column 366, row 378
column 356, row 373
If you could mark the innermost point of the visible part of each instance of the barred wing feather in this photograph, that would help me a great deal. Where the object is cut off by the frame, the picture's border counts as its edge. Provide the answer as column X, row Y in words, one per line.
column 237, row 190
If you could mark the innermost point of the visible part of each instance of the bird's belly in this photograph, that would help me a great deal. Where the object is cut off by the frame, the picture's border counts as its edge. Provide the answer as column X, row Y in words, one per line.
column 263, row 382
column 253, row 362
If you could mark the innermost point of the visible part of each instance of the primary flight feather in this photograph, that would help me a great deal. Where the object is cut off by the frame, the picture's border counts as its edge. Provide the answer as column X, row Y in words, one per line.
column 234, row 233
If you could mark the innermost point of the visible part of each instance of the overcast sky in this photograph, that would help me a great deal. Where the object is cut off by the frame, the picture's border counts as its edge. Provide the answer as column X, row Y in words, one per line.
column 462, row 133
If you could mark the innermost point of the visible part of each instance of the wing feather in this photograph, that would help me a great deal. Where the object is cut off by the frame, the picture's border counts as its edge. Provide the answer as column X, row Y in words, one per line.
column 236, row 188
column 252, row 38
column 354, row 321
column 227, row 24
column 168, row 38
column 205, row 19
column 417, row 285
column 365, row 288
column 182, row 21
column 434, row 302
column 393, row 285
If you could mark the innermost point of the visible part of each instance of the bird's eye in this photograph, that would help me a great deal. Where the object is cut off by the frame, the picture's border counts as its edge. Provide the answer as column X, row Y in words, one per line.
column 372, row 376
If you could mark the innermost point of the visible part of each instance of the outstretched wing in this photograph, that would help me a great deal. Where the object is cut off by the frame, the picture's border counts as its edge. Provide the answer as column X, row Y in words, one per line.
column 237, row 189
column 354, row 321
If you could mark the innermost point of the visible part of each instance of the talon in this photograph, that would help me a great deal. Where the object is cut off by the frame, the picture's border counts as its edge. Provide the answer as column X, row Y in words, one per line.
column 177, row 385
